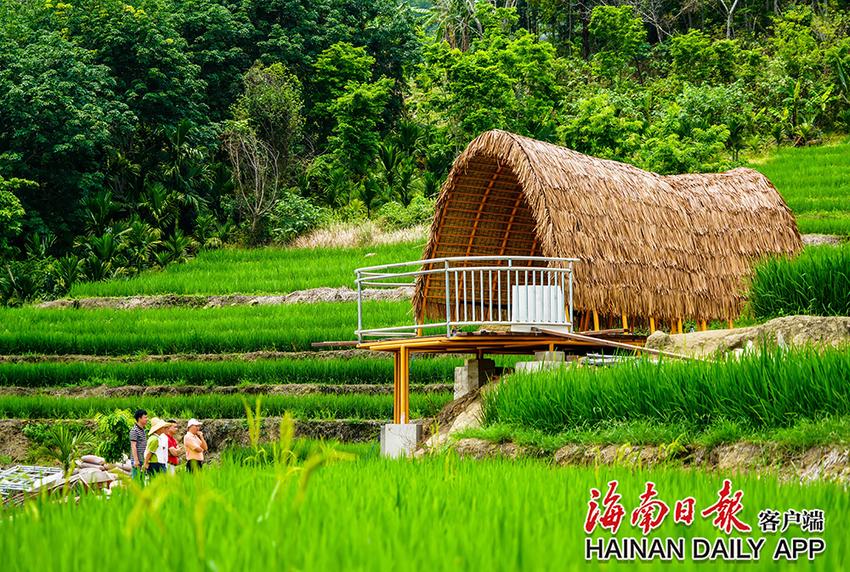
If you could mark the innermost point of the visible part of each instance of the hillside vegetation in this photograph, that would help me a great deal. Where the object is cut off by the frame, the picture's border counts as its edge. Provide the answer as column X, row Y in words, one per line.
column 136, row 133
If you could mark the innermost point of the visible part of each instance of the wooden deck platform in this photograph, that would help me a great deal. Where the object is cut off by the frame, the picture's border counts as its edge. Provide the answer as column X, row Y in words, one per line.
column 480, row 344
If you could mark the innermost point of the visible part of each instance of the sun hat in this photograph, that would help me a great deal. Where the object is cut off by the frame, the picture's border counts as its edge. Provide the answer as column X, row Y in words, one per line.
column 192, row 422
column 157, row 424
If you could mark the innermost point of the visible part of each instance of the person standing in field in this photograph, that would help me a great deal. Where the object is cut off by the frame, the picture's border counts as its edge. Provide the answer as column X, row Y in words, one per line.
column 195, row 446
column 173, row 446
column 156, row 450
column 138, row 440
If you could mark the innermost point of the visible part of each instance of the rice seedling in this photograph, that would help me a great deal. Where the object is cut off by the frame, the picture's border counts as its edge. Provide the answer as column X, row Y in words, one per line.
column 230, row 372
column 766, row 390
column 435, row 514
column 311, row 406
column 801, row 435
column 815, row 282
column 105, row 331
column 815, row 182
column 254, row 271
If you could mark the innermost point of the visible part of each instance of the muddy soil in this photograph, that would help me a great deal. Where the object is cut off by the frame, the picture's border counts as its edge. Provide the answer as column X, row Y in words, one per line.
column 312, row 295
column 252, row 389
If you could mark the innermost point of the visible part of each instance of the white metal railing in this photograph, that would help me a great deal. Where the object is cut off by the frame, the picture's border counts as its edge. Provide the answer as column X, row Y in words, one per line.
column 517, row 291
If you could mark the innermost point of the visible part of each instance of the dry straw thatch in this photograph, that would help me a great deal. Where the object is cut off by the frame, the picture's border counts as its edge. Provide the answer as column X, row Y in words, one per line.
column 667, row 247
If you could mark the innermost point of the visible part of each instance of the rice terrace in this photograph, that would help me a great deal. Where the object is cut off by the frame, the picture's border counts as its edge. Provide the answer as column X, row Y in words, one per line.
column 427, row 285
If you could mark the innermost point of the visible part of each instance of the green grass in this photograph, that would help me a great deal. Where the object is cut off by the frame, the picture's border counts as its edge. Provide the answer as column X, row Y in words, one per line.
column 815, row 182
column 767, row 390
column 231, row 372
column 105, row 331
column 802, row 435
column 254, row 271
column 816, row 282
column 439, row 514
column 314, row 406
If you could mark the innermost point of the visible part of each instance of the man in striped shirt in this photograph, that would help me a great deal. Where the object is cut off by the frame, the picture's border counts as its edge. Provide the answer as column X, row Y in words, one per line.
column 138, row 440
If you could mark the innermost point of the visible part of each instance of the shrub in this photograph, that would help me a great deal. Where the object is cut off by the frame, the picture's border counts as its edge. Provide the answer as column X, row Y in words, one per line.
column 111, row 433
column 395, row 216
column 294, row 215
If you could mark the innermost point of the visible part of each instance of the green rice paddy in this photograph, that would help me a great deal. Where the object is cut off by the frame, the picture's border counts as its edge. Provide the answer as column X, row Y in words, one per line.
column 221, row 373
column 105, row 331
column 815, row 182
column 254, row 271
column 313, row 406
column 766, row 390
column 433, row 514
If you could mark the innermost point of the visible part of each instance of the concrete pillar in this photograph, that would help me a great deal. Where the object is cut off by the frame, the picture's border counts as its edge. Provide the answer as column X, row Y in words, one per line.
column 400, row 439
column 550, row 356
column 473, row 375
column 542, row 361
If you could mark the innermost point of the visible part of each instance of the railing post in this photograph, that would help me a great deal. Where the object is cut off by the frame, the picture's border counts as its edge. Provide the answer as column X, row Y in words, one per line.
column 359, row 307
column 509, row 295
column 571, row 296
column 448, row 303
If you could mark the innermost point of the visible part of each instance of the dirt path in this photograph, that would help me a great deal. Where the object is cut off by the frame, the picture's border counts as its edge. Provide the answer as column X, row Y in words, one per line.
column 313, row 295
column 253, row 389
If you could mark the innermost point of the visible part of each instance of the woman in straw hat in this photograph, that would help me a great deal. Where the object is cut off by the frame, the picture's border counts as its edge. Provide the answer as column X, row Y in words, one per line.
column 156, row 451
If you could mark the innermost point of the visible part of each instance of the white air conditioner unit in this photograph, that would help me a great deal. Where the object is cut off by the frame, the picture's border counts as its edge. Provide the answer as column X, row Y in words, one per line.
column 541, row 306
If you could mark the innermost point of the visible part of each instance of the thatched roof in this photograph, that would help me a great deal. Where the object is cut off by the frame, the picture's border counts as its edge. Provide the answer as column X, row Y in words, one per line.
column 667, row 247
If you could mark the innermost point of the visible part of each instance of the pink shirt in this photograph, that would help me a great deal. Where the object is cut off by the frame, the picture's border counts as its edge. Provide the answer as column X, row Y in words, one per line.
column 194, row 447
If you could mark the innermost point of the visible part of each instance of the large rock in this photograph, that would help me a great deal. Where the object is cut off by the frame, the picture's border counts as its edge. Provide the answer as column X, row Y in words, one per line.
column 783, row 332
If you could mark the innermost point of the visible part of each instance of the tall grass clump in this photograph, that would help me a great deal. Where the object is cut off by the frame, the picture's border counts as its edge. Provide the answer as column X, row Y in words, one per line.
column 766, row 390
column 817, row 282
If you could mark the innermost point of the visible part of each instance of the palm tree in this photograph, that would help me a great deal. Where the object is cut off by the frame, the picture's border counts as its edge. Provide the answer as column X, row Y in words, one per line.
column 455, row 22
column 64, row 445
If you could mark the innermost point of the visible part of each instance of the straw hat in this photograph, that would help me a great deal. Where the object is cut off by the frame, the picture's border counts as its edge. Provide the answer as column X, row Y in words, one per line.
column 157, row 424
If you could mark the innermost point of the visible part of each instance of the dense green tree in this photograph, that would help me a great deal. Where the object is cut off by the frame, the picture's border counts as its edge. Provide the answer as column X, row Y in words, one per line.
column 59, row 114
column 272, row 105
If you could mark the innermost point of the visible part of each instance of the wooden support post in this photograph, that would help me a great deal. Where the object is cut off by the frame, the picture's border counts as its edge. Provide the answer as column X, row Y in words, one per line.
column 703, row 326
column 731, row 324
column 651, row 325
column 396, row 386
column 680, row 326
column 595, row 321
column 404, row 384
column 625, row 323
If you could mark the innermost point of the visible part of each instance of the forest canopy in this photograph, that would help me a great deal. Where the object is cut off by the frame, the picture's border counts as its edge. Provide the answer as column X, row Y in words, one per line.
column 133, row 133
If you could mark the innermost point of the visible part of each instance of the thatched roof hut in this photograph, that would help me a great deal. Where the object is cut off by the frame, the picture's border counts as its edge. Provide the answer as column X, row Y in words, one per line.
column 667, row 247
